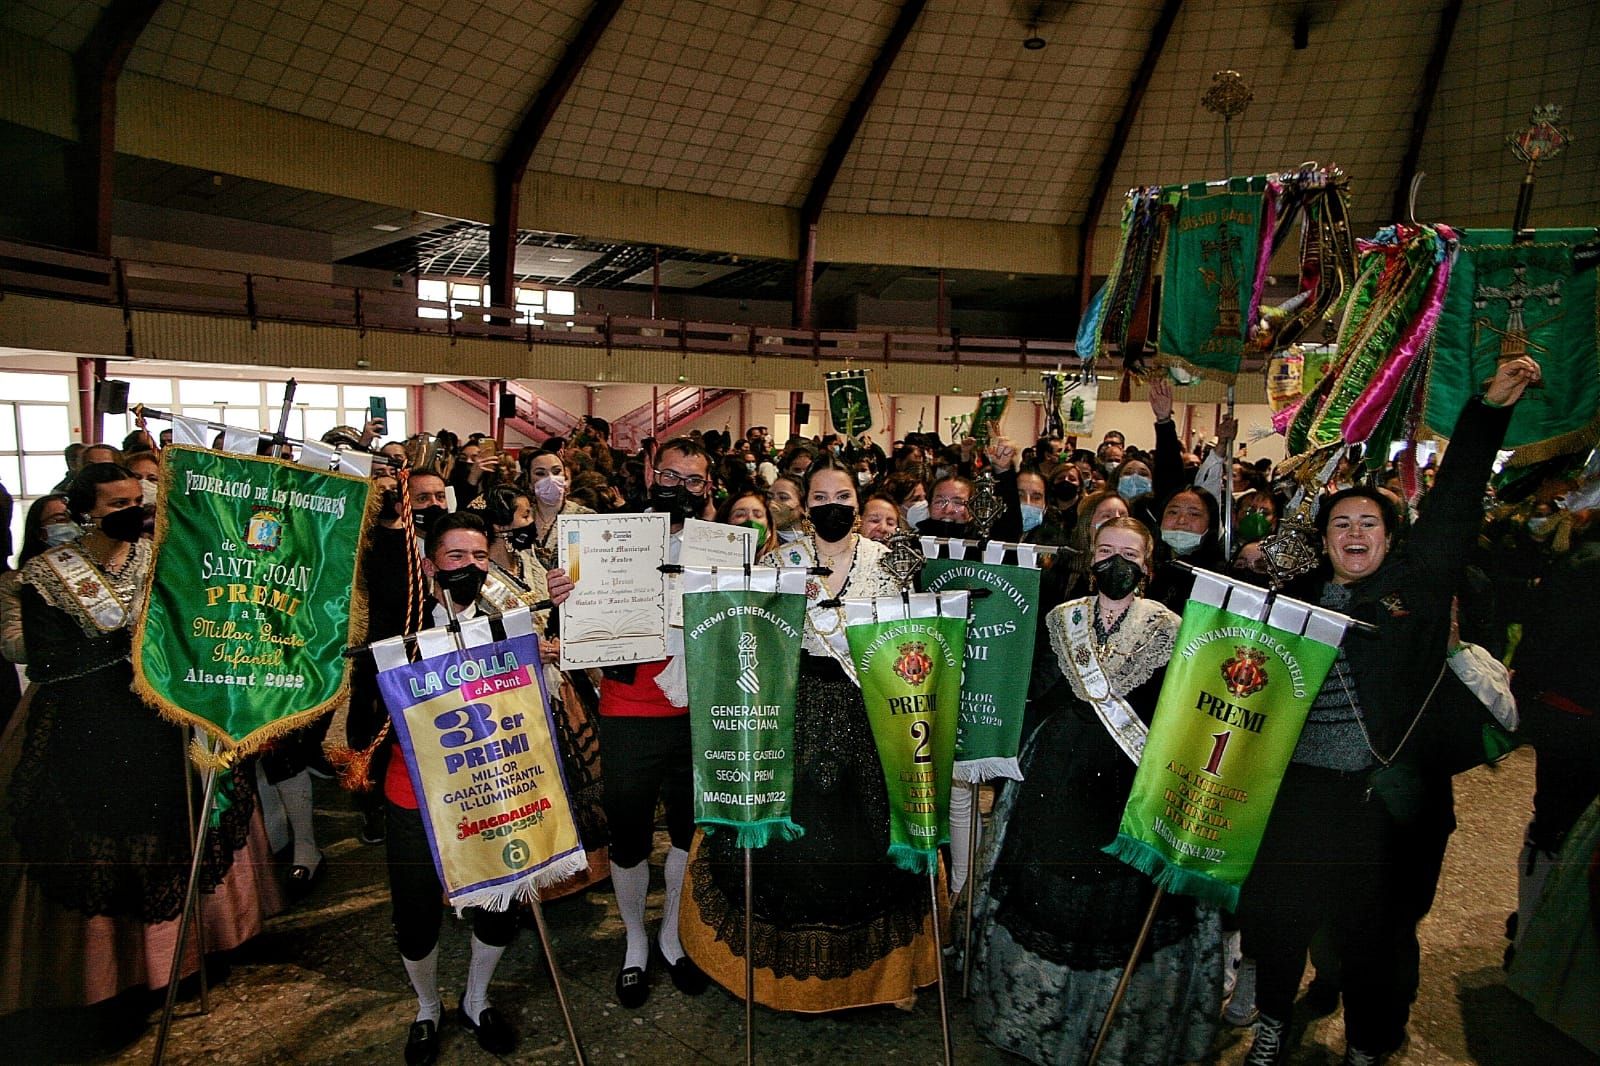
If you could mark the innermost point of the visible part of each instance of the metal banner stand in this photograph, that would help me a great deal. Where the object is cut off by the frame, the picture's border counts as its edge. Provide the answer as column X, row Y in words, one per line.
column 208, row 796
column 199, row 918
column 1127, row 975
column 938, row 955
column 1228, row 97
column 749, row 970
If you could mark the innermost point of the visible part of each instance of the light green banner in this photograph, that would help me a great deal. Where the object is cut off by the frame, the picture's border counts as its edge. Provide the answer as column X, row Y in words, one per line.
column 1000, row 639
column 740, row 649
column 910, row 673
column 253, row 594
column 1208, row 284
column 1234, row 700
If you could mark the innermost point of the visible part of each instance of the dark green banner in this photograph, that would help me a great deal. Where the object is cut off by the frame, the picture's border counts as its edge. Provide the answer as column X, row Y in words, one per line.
column 910, row 674
column 1209, row 281
column 1506, row 300
column 849, row 404
column 990, row 410
column 1000, row 641
column 741, row 646
column 1235, row 697
column 253, row 594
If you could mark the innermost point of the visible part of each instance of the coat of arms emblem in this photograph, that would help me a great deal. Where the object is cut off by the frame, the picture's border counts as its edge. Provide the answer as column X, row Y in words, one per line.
column 913, row 666
column 265, row 530
column 1246, row 672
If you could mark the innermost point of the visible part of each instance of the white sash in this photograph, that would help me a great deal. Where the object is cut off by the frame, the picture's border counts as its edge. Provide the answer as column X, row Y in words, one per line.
column 1114, row 712
column 84, row 582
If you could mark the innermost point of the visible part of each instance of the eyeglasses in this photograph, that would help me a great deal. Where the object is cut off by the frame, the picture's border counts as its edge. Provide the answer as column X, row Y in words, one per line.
column 950, row 501
column 671, row 478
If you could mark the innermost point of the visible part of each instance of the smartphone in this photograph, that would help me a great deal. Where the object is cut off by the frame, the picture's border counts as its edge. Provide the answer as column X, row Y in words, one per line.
column 487, row 447
column 378, row 410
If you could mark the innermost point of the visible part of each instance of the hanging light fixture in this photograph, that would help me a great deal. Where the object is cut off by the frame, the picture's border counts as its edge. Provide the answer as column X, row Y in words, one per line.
column 1033, row 42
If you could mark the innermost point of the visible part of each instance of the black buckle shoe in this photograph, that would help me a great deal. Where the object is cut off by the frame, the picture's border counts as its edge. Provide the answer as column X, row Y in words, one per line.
column 495, row 1034
column 633, row 988
column 687, row 977
column 422, row 1044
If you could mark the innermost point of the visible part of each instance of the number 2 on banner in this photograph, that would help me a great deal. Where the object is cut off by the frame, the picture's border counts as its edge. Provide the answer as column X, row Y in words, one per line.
column 474, row 717
column 919, row 733
column 1219, row 744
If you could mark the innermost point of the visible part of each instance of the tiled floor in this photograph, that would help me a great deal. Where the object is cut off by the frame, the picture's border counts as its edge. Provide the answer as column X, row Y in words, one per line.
column 324, row 984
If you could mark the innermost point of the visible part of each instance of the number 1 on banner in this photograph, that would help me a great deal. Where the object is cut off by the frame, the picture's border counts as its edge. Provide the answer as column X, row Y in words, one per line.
column 1219, row 744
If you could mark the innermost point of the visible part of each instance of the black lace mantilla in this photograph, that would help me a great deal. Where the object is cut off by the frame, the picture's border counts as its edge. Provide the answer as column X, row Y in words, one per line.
column 831, row 903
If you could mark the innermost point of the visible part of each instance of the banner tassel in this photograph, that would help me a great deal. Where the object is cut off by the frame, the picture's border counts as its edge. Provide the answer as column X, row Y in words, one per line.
column 913, row 859
column 1149, row 861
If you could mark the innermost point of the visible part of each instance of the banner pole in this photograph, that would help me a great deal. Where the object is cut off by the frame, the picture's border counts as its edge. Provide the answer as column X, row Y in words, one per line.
column 972, row 891
column 1127, row 975
column 199, row 923
column 749, row 971
column 555, row 980
column 938, row 956
column 208, row 796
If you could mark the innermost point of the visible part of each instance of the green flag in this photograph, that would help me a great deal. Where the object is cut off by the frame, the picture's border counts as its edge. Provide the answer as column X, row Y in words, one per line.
column 253, row 594
column 1508, row 299
column 741, row 643
column 1235, row 697
column 1208, row 285
column 849, row 403
column 1000, row 640
column 987, row 415
column 908, row 655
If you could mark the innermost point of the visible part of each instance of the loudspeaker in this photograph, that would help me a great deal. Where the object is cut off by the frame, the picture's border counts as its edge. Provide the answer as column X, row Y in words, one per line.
column 111, row 397
column 508, row 404
column 802, row 413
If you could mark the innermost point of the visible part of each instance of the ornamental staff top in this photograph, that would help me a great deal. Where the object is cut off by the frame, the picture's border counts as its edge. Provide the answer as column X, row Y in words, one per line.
column 1228, row 95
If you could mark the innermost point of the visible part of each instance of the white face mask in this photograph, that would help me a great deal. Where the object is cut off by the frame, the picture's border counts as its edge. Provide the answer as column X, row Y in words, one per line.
column 917, row 513
column 148, row 488
column 863, row 477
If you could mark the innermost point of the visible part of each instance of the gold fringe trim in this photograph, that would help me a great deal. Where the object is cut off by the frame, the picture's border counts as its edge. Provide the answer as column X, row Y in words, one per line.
column 1207, row 372
column 230, row 751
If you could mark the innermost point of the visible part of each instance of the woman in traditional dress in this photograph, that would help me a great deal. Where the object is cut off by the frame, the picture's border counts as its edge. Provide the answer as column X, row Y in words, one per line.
column 95, row 837
column 1056, row 916
column 547, row 484
column 836, row 923
column 516, row 578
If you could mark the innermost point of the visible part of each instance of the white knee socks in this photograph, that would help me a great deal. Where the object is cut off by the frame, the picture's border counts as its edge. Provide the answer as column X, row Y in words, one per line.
column 632, row 884
column 961, row 816
column 424, row 974
column 677, row 863
column 296, row 796
column 479, row 973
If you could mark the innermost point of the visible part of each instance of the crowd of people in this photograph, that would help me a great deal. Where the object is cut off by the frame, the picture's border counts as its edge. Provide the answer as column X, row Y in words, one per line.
column 1452, row 583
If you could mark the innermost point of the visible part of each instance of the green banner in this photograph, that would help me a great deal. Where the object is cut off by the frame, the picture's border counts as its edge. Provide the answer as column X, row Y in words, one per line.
column 1208, row 284
column 1235, row 697
column 990, row 410
column 1506, row 300
column 1000, row 641
column 849, row 404
column 253, row 594
column 741, row 642
column 910, row 674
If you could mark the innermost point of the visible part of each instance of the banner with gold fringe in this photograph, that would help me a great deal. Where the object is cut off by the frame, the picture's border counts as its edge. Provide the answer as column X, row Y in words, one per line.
column 253, row 595
column 474, row 726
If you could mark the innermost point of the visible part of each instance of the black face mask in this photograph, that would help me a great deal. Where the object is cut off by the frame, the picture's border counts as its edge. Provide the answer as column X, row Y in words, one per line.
column 521, row 538
column 126, row 524
column 424, row 519
column 940, row 527
column 462, row 584
column 389, row 505
column 1116, row 576
column 675, row 502
column 1063, row 491
column 832, row 521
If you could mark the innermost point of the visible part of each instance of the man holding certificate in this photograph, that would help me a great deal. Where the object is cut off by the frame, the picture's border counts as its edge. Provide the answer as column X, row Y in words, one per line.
column 644, row 731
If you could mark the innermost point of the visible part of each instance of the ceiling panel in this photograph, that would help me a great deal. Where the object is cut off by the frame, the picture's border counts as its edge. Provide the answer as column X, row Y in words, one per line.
column 723, row 97
column 62, row 23
column 451, row 77
column 970, row 124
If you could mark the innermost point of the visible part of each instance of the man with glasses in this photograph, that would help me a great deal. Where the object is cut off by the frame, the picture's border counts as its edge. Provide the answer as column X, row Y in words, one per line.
column 644, row 735
column 950, row 500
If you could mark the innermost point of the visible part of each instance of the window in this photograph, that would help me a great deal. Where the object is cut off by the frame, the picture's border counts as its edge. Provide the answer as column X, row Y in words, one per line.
column 35, row 427
column 537, row 304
